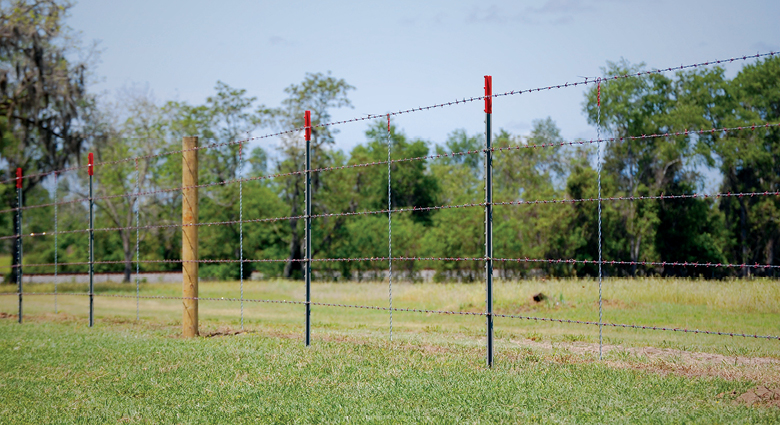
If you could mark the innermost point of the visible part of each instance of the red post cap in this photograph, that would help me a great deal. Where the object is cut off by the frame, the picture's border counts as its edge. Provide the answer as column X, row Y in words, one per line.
column 90, row 164
column 488, row 94
column 307, row 124
column 18, row 178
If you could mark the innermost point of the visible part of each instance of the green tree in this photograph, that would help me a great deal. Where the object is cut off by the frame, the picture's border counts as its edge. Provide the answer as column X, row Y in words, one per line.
column 750, row 161
column 318, row 93
column 45, row 102
column 650, row 166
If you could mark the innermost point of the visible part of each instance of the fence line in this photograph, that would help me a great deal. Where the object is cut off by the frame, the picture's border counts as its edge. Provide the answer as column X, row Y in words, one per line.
column 596, row 141
column 488, row 205
column 383, row 259
column 717, row 195
column 425, row 108
column 425, row 311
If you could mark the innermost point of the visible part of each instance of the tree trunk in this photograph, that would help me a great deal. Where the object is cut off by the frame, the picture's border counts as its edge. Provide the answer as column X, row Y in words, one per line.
column 14, row 244
column 128, row 251
column 293, row 268
column 743, row 234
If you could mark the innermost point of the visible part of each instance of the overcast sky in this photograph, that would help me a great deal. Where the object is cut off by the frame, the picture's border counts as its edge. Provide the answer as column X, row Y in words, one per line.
column 403, row 54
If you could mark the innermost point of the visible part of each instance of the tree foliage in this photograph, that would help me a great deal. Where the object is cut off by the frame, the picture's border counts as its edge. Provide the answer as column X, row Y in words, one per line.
column 741, row 229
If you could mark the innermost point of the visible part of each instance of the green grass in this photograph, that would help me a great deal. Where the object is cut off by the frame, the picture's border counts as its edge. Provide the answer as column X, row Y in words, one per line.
column 733, row 306
column 60, row 371
column 54, row 369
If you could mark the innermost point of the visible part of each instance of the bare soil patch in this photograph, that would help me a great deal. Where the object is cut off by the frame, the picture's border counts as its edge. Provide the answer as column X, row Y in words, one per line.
column 762, row 370
column 760, row 396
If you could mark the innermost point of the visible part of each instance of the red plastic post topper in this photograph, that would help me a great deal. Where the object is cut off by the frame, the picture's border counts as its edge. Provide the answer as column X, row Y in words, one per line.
column 307, row 124
column 488, row 94
column 90, row 164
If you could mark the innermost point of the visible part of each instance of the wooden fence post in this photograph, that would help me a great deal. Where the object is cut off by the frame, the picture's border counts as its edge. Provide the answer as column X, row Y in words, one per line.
column 189, row 239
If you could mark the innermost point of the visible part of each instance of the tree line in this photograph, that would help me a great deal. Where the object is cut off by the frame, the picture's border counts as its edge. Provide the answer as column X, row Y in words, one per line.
column 50, row 120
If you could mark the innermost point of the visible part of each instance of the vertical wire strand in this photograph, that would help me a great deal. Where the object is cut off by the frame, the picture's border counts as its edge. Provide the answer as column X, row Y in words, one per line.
column 137, row 243
column 389, row 231
column 20, row 268
column 598, row 165
column 241, row 223
column 55, row 243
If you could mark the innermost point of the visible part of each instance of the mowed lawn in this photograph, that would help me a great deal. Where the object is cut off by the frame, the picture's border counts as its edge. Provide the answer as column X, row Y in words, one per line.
column 55, row 369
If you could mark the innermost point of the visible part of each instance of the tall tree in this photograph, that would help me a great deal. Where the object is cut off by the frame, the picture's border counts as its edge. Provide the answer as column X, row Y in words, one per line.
column 649, row 166
column 318, row 93
column 750, row 162
column 44, row 93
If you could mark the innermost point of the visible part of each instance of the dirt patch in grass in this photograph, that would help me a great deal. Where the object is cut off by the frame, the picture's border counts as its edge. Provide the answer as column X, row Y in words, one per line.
column 761, row 396
column 4, row 315
column 666, row 360
column 610, row 303
column 44, row 317
column 222, row 332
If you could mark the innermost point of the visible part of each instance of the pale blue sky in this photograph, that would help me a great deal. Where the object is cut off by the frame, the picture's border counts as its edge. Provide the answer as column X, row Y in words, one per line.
column 402, row 54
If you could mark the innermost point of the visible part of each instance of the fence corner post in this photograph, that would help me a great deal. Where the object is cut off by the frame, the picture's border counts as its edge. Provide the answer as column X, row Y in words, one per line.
column 189, row 239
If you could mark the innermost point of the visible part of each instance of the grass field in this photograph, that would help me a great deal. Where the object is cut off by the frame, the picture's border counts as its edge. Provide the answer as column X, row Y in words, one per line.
column 56, row 369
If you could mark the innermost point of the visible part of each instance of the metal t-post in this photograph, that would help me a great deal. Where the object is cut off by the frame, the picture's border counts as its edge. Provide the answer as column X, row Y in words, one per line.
column 91, row 170
column 55, row 242
column 19, row 237
column 307, row 235
column 489, row 217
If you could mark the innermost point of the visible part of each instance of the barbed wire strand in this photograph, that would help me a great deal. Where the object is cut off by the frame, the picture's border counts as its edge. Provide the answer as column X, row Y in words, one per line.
column 419, row 158
column 415, row 209
column 27, row 176
column 518, row 92
column 570, row 261
column 426, row 311
column 425, row 108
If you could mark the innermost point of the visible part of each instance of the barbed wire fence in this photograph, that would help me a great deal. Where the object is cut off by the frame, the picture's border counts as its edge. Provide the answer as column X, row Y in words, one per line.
column 488, row 259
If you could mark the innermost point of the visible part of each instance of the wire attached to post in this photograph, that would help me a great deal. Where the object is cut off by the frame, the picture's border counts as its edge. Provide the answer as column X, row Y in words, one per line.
column 489, row 217
column 241, row 223
column 19, row 270
column 91, row 171
column 389, row 230
column 137, row 244
column 55, row 242
column 598, row 165
column 307, row 236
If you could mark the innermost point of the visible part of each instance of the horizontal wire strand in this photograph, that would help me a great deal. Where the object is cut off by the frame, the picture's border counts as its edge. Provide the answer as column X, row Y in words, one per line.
column 418, row 158
column 417, row 310
column 356, row 259
column 414, row 209
column 424, row 108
